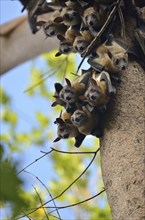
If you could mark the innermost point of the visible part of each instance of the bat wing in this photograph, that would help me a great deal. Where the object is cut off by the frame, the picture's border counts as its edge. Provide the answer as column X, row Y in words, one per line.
column 106, row 77
column 140, row 36
column 97, row 66
column 86, row 78
column 79, row 139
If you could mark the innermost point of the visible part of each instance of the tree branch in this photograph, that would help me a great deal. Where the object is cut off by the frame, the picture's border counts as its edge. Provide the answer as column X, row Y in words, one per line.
column 18, row 44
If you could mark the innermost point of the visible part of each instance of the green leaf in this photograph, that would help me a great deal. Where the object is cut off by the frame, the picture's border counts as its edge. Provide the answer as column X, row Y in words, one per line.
column 1, row 151
column 23, row 138
column 9, row 117
column 64, row 64
column 10, row 186
column 4, row 98
column 42, row 119
column 36, row 79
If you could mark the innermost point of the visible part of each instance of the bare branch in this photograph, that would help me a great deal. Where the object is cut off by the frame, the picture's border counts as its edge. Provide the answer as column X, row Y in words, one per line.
column 45, row 76
column 95, row 153
column 41, row 202
column 27, row 215
column 78, row 203
column 34, row 162
column 74, row 152
column 46, row 190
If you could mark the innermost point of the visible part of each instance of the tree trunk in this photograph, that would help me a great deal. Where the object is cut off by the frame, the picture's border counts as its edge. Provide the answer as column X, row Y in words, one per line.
column 123, row 148
column 123, row 145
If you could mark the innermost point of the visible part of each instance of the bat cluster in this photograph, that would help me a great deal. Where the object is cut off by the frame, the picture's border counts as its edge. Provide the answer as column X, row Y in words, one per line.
column 84, row 100
column 76, row 23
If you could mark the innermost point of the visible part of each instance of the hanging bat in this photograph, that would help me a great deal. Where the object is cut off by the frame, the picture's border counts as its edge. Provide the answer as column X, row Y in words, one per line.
column 99, row 90
column 67, row 130
column 72, row 93
column 110, row 56
column 87, row 122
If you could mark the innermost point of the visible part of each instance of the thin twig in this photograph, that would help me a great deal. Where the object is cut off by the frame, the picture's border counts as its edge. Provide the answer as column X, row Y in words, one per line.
column 69, row 152
column 99, row 34
column 41, row 202
column 34, row 162
column 78, row 203
column 40, row 81
column 53, row 215
column 52, row 71
column 27, row 215
column 46, row 190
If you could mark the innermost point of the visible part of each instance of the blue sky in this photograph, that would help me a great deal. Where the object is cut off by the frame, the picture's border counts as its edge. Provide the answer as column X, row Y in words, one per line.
column 15, row 83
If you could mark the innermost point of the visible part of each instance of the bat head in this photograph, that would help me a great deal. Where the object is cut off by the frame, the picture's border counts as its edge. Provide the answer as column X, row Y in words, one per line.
column 70, row 16
column 80, row 44
column 120, row 60
column 65, row 46
column 50, row 29
column 65, row 96
column 92, row 19
column 79, row 117
column 93, row 93
column 68, row 93
column 63, row 129
column 91, row 16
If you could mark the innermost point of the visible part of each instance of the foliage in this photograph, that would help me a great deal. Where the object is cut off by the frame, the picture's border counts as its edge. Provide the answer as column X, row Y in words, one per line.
column 63, row 169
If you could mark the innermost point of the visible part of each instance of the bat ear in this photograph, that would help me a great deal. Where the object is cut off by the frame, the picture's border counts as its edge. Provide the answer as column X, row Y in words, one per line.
column 59, row 121
column 83, row 27
column 92, row 82
column 54, row 104
column 126, row 51
column 60, row 37
column 56, row 96
column 58, row 54
column 40, row 23
column 57, row 139
column 110, row 54
column 58, row 88
column 68, row 82
column 58, row 19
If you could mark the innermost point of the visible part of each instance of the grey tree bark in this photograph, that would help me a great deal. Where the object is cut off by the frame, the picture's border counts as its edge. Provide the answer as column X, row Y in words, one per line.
column 123, row 148
column 123, row 143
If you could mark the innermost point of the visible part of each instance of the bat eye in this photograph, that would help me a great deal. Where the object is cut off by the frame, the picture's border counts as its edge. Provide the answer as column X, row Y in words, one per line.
column 93, row 16
column 116, row 61
column 62, row 96
column 125, row 60
column 66, row 16
column 77, row 119
column 93, row 97
column 74, row 14
column 68, row 98
column 81, row 48
column 52, row 33
column 61, row 129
